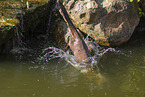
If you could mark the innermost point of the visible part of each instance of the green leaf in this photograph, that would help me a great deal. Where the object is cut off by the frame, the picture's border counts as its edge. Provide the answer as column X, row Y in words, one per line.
column 131, row 0
column 139, row 9
column 140, row 14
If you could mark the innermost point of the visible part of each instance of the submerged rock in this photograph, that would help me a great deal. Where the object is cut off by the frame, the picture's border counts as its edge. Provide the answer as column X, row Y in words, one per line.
column 109, row 22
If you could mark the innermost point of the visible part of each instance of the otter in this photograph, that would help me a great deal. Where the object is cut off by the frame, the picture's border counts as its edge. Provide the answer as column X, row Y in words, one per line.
column 77, row 45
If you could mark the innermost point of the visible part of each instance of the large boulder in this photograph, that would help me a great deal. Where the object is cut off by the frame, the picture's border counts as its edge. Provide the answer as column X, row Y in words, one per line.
column 109, row 22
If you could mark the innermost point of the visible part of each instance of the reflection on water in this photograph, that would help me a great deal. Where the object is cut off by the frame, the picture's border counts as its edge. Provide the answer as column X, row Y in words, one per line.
column 46, row 73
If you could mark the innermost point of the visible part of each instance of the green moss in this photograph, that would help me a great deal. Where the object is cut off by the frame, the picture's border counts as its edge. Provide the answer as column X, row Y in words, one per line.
column 11, row 12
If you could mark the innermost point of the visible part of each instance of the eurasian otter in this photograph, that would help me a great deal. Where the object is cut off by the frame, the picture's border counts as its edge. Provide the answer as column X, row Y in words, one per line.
column 77, row 45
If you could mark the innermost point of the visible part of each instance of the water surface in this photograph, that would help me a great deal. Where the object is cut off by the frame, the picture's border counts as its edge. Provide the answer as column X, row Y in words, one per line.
column 36, row 74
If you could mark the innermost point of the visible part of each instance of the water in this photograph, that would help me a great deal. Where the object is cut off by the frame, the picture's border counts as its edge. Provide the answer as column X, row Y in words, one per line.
column 44, row 72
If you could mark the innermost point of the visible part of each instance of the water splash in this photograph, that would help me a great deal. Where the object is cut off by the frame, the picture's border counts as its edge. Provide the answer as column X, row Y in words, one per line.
column 51, row 53
column 41, row 59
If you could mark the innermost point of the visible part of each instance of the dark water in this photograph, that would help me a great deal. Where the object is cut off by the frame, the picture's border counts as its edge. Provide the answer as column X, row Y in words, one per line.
column 46, row 73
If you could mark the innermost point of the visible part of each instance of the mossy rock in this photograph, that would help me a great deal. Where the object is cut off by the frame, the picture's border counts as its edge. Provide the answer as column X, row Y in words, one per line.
column 17, row 19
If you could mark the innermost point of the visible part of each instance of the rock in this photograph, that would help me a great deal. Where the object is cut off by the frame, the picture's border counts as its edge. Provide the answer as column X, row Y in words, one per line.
column 109, row 22
column 19, row 23
column 142, row 5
